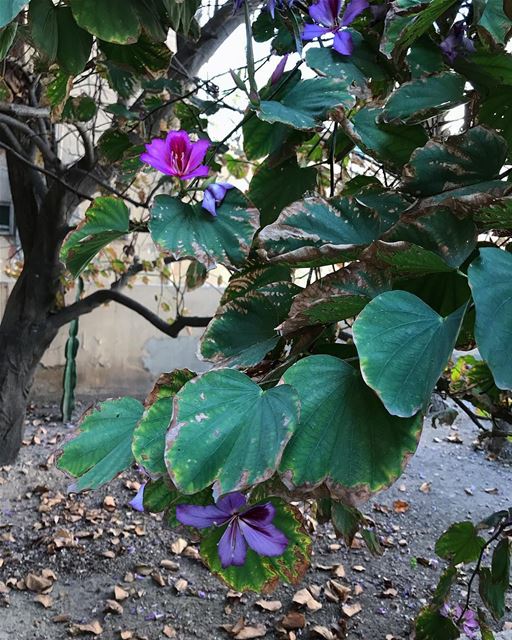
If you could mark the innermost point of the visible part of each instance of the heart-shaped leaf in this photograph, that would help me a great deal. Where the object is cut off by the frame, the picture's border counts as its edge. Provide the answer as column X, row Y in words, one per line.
column 490, row 279
column 9, row 9
column 403, row 347
column 260, row 573
column 148, row 444
column 345, row 436
column 116, row 21
column 103, row 446
column 226, row 430
column 188, row 231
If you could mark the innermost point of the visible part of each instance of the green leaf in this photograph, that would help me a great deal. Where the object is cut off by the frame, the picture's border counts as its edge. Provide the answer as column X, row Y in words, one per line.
column 243, row 331
column 439, row 231
column 357, row 70
column 337, row 296
column 149, row 436
column 182, row 14
column 342, row 421
column 496, row 112
column 115, row 21
column 496, row 216
column 487, row 68
column 57, row 91
column 431, row 625
column 276, row 184
column 113, row 144
column 441, row 166
column 346, row 520
column 142, row 58
column 460, row 543
column 314, row 231
column 79, row 109
column 227, row 431
column 7, row 36
column 74, row 44
column 103, row 446
column 403, row 259
column 188, row 231
column 9, row 9
column 106, row 220
column 391, row 144
column 495, row 21
column 307, row 103
column 252, row 278
column 403, row 347
column 424, row 57
column 196, row 275
column 444, row 586
column 261, row 573
column 421, row 23
column 42, row 15
column 422, row 98
column 494, row 581
column 490, row 279
column 158, row 495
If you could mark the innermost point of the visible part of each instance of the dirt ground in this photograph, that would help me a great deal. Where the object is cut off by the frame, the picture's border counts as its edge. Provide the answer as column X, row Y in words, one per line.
column 73, row 565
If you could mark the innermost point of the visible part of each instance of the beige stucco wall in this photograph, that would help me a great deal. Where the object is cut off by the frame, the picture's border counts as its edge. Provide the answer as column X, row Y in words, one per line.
column 120, row 352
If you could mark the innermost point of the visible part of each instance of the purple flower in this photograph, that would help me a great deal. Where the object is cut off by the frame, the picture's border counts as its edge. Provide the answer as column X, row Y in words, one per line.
column 214, row 194
column 279, row 70
column 137, row 503
column 468, row 621
column 456, row 42
column 326, row 15
column 177, row 155
column 245, row 526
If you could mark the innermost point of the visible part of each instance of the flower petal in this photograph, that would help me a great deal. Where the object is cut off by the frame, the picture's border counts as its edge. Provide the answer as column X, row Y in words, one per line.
column 197, row 153
column 158, row 164
column 352, row 10
column 200, row 517
column 232, row 547
column 231, row 503
column 209, row 203
column 201, row 172
column 312, row 31
column 178, row 141
column 326, row 12
column 343, row 43
column 137, row 502
column 267, row 540
column 260, row 515
column 279, row 70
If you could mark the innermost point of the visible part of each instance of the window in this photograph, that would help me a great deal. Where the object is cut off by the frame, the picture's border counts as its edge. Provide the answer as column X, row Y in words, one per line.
column 6, row 219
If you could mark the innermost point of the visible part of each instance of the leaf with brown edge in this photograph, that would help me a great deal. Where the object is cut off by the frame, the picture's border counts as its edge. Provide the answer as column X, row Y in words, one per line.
column 263, row 573
column 148, row 444
column 335, row 297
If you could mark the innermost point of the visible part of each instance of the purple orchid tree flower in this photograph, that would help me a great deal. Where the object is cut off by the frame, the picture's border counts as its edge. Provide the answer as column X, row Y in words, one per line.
column 277, row 74
column 137, row 502
column 177, row 156
column 246, row 526
column 468, row 620
column 457, row 43
column 326, row 15
column 214, row 194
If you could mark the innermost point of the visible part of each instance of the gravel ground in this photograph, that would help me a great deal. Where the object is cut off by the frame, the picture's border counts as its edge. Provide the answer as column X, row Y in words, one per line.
column 89, row 565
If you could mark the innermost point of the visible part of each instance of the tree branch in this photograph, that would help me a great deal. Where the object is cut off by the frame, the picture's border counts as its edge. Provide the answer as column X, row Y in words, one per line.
column 96, row 299
column 32, row 135
column 23, row 110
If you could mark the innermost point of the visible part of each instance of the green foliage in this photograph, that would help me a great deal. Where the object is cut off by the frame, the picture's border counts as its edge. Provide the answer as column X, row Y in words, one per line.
column 102, row 448
column 9, row 9
column 460, row 543
column 261, row 573
column 227, row 431
column 494, row 581
column 107, row 219
column 188, row 231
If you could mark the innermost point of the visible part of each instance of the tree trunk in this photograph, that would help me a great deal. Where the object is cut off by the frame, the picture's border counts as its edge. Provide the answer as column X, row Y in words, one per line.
column 24, row 337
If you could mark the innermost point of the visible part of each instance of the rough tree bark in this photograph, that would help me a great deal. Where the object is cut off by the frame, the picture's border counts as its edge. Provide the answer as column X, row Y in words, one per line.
column 42, row 207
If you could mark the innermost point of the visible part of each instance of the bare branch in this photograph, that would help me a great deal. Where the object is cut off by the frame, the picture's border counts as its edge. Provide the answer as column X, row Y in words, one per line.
column 23, row 110
column 32, row 135
column 90, row 153
column 102, row 296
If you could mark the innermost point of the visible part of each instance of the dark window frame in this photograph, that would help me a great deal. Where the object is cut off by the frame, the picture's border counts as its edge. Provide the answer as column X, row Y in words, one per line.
column 4, row 229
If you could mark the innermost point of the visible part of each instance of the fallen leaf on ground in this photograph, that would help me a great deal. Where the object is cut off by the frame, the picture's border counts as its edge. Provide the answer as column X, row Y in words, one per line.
column 114, row 607
column 304, row 597
column 45, row 600
column 351, row 610
column 339, row 571
column 120, row 594
column 37, row 583
column 169, row 632
column 258, row 631
column 425, row 487
column 293, row 620
column 93, row 627
column 322, row 632
column 400, row 506
column 179, row 546
column 269, row 605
